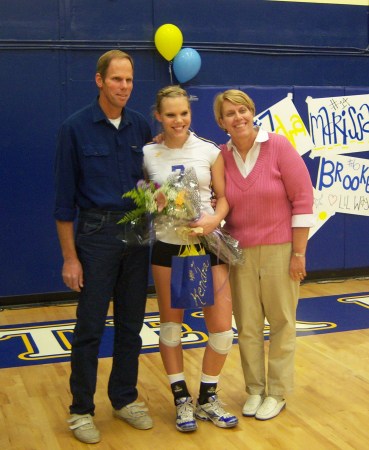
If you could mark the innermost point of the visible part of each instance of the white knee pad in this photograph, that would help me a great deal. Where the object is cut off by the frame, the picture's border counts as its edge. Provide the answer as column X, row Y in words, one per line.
column 221, row 342
column 170, row 333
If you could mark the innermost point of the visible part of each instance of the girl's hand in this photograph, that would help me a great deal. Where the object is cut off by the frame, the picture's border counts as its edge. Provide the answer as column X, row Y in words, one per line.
column 207, row 222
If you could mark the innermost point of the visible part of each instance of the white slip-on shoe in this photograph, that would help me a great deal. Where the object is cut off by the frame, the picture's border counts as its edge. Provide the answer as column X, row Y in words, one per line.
column 84, row 429
column 253, row 402
column 270, row 408
column 135, row 414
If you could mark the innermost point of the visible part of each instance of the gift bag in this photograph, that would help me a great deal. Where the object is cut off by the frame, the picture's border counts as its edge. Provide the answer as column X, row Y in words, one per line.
column 191, row 280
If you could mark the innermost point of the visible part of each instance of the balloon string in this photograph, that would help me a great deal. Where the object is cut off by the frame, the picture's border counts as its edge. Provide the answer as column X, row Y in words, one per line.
column 170, row 72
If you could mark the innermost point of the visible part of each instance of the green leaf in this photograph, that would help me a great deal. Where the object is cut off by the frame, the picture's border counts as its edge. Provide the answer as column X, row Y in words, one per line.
column 132, row 215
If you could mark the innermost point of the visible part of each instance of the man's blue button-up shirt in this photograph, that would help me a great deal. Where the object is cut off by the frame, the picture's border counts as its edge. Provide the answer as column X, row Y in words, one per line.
column 96, row 163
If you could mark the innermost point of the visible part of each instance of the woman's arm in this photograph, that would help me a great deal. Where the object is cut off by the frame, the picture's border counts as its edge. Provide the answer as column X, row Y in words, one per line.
column 298, row 260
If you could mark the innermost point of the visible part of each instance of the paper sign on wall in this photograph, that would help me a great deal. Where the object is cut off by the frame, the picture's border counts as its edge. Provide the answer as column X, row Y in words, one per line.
column 283, row 118
column 339, row 125
column 344, row 184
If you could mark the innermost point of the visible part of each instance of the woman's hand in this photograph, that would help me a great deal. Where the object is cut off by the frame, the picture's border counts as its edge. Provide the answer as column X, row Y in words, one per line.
column 297, row 267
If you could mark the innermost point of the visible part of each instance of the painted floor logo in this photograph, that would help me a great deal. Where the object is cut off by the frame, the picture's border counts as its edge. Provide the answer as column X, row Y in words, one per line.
column 44, row 343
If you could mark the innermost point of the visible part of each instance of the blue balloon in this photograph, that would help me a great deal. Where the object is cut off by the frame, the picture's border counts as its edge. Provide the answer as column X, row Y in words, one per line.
column 186, row 64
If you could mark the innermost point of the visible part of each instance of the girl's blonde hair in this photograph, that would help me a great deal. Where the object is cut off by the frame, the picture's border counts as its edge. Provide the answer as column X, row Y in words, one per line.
column 170, row 92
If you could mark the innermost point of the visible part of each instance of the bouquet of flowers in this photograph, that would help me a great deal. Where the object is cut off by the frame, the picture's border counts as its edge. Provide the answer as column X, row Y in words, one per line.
column 174, row 205
column 144, row 198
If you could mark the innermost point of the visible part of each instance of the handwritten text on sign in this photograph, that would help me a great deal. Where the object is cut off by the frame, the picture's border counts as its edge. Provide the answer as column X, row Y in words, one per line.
column 283, row 118
column 346, row 181
column 339, row 124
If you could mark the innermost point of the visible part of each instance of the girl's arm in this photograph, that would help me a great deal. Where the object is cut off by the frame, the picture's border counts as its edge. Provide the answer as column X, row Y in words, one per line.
column 209, row 222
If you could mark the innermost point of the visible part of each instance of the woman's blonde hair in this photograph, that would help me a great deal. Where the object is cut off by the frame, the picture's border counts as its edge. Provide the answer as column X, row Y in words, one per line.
column 170, row 92
column 234, row 96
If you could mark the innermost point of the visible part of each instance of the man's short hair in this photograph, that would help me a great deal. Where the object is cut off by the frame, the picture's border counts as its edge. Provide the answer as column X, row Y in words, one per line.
column 105, row 60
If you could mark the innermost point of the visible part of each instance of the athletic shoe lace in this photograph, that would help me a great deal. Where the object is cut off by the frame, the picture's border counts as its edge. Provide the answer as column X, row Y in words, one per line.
column 217, row 408
column 185, row 412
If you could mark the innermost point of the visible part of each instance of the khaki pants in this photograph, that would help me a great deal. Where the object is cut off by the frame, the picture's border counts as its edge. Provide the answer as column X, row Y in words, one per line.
column 262, row 288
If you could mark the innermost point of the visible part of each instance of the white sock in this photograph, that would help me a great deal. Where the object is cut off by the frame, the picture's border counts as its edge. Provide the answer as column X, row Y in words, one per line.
column 210, row 379
column 173, row 378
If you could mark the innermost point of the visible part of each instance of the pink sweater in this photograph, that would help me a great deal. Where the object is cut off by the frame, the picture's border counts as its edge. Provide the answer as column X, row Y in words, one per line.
column 263, row 203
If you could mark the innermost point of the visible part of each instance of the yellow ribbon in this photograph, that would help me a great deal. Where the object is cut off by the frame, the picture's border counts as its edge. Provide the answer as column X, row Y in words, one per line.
column 191, row 250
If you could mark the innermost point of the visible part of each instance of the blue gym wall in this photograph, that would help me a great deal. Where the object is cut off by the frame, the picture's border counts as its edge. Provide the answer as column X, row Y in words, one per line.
column 48, row 52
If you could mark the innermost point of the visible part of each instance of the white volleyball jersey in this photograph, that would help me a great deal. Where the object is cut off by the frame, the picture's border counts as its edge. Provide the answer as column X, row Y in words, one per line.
column 161, row 161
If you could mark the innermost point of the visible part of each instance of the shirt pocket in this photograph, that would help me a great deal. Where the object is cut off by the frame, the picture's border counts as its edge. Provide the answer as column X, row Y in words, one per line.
column 137, row 160
column 96, row 160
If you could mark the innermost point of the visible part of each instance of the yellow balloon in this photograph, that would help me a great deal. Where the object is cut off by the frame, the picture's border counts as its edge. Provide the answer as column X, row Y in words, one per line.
column 168, row 40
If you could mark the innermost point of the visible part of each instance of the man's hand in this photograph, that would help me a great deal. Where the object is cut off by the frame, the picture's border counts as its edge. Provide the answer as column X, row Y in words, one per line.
column 73, row 274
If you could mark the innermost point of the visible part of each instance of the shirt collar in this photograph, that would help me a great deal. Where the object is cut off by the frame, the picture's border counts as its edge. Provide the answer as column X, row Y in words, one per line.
column 99, row 115
column 262, row 136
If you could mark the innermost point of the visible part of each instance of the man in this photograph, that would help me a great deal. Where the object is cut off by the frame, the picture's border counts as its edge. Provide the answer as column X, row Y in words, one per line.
column 99, row 158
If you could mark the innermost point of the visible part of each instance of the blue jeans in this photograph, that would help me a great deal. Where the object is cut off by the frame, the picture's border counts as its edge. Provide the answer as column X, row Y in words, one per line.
column 112, row 269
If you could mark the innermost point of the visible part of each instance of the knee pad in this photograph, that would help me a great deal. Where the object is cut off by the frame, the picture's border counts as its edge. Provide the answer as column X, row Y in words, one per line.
column 221, row 342
column 170, row 333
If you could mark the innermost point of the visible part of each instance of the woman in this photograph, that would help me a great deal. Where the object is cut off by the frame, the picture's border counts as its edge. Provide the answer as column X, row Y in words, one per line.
column 270, row 198
column 179, row 150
